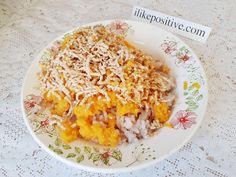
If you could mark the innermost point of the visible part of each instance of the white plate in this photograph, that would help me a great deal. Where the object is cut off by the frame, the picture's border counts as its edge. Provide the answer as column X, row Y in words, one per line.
column 183, row 123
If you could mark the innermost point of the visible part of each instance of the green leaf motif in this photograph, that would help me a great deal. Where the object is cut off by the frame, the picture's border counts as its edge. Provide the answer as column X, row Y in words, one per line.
column 199, row 97
column 71, row 155
column 192, row 107
column 117, row 155
column 77, row 149
column 190, row 102
column 50, row 147
column 80, row 158
column 58, row 151
column 106, row 161
column 95, row 149
column 90, row 156
column 96, row 157
column 57, row 142
column 185, row 93
column 66, row 146
column 196, row 92
column 87, row 149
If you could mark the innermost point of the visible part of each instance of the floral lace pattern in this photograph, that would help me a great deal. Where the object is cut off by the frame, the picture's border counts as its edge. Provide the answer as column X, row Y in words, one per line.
column 27, row 26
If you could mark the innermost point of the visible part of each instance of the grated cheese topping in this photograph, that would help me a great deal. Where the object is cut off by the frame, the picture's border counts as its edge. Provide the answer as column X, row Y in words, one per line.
column 100, row 87
column 93, row 61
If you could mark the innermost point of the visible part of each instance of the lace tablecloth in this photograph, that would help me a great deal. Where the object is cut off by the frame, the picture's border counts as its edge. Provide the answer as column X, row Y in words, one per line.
column 27, row 26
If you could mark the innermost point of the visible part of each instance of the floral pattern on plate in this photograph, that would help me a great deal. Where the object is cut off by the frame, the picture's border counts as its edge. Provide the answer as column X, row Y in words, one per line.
column 193, row 89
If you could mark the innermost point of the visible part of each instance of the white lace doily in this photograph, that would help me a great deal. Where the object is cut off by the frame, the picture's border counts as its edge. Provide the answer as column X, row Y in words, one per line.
column 27, row 26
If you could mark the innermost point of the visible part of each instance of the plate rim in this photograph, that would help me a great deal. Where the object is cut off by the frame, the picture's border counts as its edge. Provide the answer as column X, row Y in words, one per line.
column 109, row 169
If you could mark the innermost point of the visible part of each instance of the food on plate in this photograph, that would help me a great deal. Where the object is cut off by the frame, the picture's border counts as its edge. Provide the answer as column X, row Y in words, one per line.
column 99, row 87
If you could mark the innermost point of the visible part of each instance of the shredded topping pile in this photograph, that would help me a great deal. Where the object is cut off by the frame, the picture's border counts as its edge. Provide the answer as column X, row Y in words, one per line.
column 93, row 73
